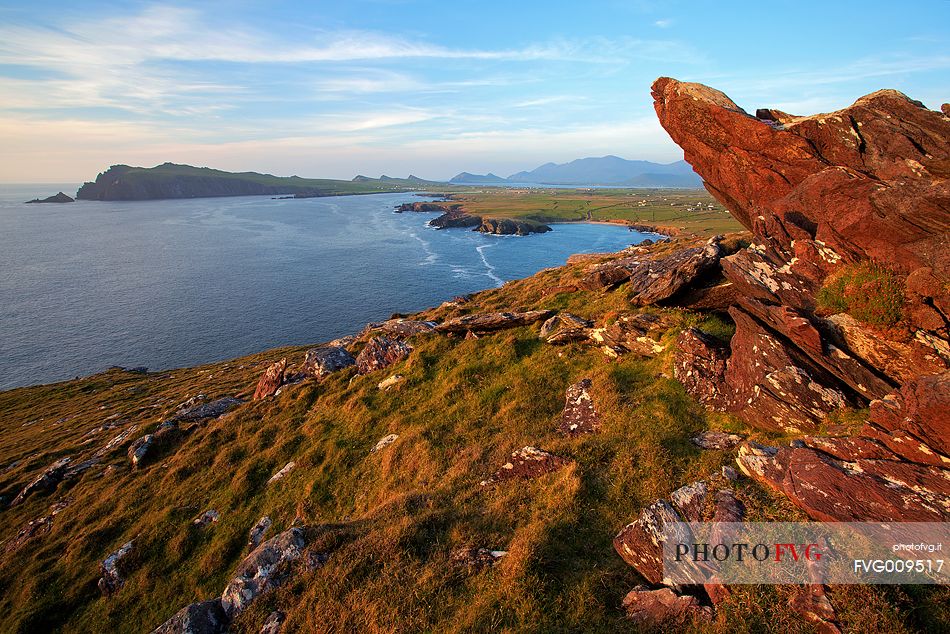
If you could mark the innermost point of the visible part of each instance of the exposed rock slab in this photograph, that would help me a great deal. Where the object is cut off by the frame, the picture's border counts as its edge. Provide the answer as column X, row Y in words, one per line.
column 324, row 361
column 205, row 617
column 894, row 470
column 492, row 322
column 717, row 440
column 384, row 442
column 565, row 328
column 36, row 527
column 380, row 353
column 262, row 570
column 113, row 577
column 637, row 333
column 653, row 608
column 579, row 415
column 525, row 464
column 46, row 481
column 402, row 327
column 214, row 409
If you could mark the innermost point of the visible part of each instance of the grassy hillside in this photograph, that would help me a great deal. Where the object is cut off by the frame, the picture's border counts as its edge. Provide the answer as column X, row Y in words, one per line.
column 392, row 518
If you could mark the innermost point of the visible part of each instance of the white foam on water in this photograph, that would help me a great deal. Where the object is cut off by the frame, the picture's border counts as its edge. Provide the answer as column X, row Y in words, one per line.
column 489, row 269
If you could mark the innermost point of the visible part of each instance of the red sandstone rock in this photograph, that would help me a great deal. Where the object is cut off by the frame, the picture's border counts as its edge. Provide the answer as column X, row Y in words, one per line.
column 491, row 322
column 271, row 380
column 651, row 608
column 579, row 415
column 381, row 352
column 525, row 464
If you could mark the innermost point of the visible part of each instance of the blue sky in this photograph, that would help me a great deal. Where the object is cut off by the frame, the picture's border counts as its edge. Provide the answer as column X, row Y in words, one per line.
column 432, row 88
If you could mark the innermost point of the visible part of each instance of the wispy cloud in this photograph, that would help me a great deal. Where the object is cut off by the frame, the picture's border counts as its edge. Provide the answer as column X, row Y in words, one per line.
column 663, row 24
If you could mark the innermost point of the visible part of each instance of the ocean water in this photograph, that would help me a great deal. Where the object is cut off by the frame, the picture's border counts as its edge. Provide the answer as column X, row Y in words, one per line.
column 164, row 284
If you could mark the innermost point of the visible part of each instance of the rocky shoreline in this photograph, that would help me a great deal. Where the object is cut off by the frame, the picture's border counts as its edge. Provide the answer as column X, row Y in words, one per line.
column 454, row 217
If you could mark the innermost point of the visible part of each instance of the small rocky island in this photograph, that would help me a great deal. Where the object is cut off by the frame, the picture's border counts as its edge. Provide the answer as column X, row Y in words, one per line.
column 454, row 216
column 58, row 198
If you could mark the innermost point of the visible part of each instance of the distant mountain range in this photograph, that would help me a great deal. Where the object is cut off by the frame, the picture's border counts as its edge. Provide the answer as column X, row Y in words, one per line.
column 605, row 170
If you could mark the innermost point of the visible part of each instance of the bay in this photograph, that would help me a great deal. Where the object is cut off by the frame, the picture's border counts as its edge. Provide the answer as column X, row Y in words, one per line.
column 174, row 283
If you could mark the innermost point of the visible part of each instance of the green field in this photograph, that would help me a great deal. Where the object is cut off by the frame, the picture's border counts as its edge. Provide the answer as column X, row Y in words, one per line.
column 690, row 211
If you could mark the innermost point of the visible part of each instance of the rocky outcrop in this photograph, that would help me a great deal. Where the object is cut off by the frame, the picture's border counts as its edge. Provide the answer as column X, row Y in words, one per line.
column 282, row 473
column 896, row 469
column 46, row 481
column 716, row 440
column 262, row 570
column 491, row 322
column 58, row 198
column 256, row 534
column 652, row 277
column 639, row 333
column 113, row 576
column 214, row 409
column 36, row 527
column 380, row 353
column 144, row 448
column 384, row 442
column 867, row 184
column 565, row 328
column 511, row 227
column 579, row 415
column 324, row 361
column 206, row 617
column 271, row 380
column 402, row 328
column 455, row 219
column 663, row 606
column 525, row 464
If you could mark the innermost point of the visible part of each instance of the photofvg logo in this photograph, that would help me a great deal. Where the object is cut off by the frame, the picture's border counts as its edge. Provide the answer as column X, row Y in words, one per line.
column 806, row 552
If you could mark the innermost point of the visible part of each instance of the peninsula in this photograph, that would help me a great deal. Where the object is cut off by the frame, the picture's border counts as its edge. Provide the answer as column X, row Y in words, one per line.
column 170, row 180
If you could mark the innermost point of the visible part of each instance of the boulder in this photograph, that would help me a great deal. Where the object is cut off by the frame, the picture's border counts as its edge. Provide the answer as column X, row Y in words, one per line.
column 280, row 475
column 700, row 365
column 384, row 442
column 264, row 569
column 654, row 277
column 579, row 415
column 691, row 500
column 654, row 608
column 640, row 543
column 271, row 380
column 565, row 328
column 206, row 617
column 214, row 409
column 324, row 361
column 491, row 322
column 210, row 516
column 380, row 353
column 142, row 449
column 525, row 464
column 113, row 577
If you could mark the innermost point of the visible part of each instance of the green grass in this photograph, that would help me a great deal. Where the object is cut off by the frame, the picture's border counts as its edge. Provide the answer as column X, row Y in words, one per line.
column 867, row 291
column 684, row 211
column 396, row 515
